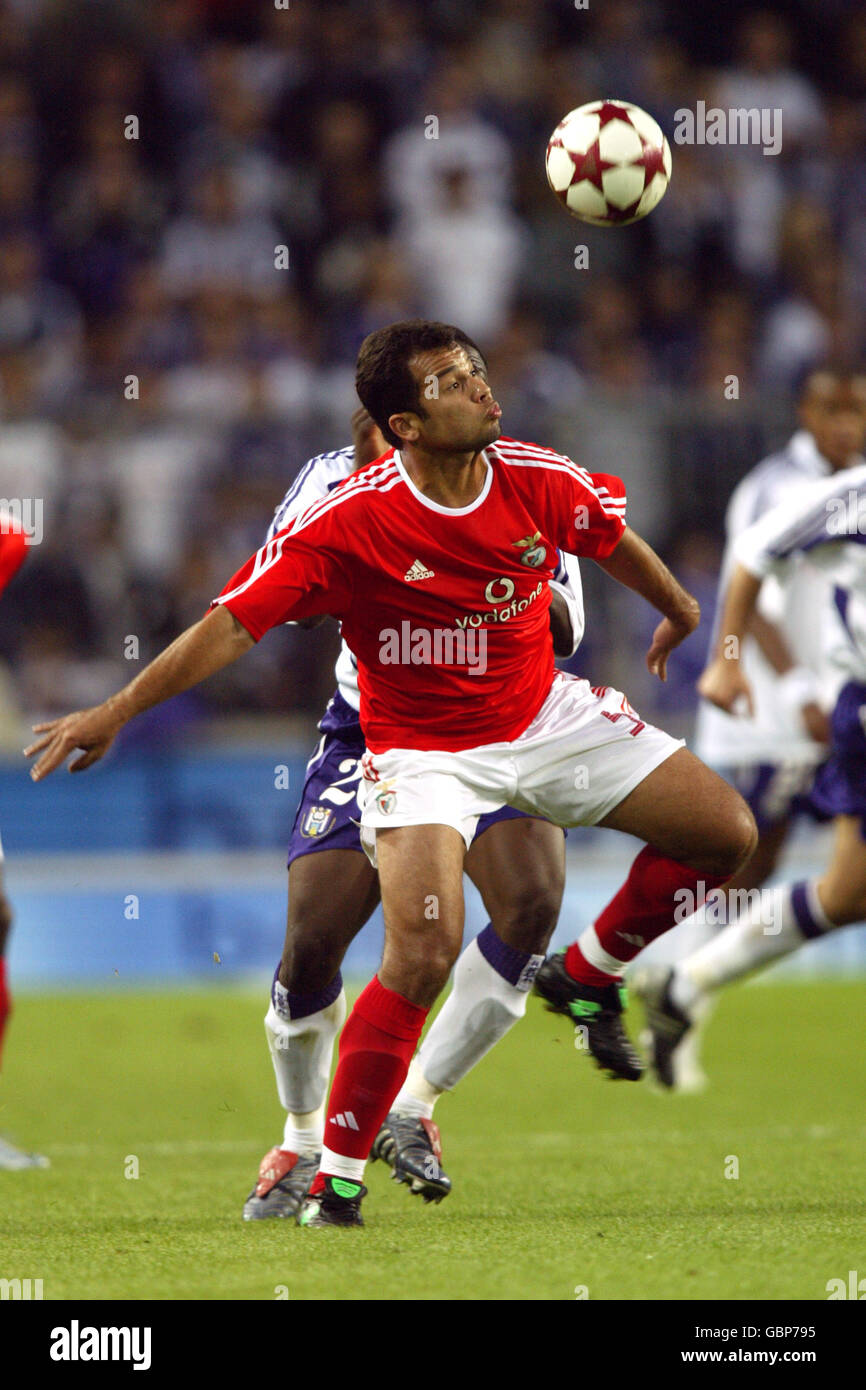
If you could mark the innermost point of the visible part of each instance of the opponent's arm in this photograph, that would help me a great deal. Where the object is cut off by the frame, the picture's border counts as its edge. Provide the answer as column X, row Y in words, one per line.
column 218, row 639
column 566, row 613
column 771, row 644
column 821, row 515
column 636, row 565
column 798, row 687
column 560, row 624
column 723, row 682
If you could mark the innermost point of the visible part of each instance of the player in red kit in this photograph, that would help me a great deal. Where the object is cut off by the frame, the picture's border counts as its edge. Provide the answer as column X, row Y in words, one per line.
column 435, row 559
column 13, row 551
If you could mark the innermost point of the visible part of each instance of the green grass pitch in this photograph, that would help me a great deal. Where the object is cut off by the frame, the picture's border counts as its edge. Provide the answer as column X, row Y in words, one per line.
column 563, row 1180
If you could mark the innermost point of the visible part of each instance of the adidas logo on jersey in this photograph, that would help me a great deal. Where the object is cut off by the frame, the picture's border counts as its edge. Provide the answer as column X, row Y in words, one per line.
column 346, row 1121
column 418, row 571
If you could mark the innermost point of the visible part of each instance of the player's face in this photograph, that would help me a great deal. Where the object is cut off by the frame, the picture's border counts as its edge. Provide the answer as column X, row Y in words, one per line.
column 461, row 415
column 834, row 413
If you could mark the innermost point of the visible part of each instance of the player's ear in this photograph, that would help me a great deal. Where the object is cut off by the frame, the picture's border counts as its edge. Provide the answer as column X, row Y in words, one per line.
column 405, row 426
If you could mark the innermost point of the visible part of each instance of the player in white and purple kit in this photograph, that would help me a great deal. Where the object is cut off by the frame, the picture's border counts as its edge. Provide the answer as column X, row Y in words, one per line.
column 826, row 525
column 518, row 870
column 772, row 756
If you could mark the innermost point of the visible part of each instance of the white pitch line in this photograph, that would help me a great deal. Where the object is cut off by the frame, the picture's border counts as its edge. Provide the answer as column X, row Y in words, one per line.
column 171, row 1147
column 165, row 1148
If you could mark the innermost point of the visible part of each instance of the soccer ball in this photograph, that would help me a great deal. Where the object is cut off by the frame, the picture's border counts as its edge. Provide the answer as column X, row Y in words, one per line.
column 608, row 162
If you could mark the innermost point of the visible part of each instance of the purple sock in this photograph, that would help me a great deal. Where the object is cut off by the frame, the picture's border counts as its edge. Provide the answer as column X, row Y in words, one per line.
column 294, row 1006
column 808, row 923
column 519, row 968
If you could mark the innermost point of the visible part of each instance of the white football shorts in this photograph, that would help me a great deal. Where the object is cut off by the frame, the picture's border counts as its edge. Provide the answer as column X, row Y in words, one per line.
column 583, row 753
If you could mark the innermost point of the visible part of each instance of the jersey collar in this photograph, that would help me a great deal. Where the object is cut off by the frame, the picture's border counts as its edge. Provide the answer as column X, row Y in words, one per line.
column 436, row 506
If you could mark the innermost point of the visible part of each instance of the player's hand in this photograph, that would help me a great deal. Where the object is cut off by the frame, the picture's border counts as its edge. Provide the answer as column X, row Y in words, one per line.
column 91, row 730
column 817, row 722
column 724, row 685
column 368, row 439
column 668, row 635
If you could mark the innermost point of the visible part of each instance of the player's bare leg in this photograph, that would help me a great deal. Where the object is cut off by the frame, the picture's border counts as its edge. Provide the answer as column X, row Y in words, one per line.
column 781, row 921
column 689, row 813
column 682, row 1063
column 699, row 831
column 421, row 880
column 518, row 867
column 332, row 894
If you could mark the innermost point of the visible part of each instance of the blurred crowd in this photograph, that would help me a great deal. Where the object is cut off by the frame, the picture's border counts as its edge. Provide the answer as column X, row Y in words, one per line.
column 205, row 206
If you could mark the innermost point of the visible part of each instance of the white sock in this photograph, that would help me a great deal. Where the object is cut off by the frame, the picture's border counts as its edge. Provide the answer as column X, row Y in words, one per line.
column 594, row 953
column 480, row 1009
column 417, row 1097
column 339, row 1166
column 304, row 1134
column 772, row 927
column 301, row 1051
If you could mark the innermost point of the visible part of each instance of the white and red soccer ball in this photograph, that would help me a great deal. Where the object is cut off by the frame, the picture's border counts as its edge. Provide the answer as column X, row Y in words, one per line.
column 608, row 162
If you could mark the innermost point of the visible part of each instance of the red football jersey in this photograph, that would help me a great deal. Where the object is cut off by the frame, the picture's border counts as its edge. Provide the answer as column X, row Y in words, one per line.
column 445, row 608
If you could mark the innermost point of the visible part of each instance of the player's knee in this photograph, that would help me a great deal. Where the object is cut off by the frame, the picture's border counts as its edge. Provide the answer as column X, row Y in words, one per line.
column 735, row 842
column 308, row 964
column 438, row 964
column 418, row 964
column 527, row 918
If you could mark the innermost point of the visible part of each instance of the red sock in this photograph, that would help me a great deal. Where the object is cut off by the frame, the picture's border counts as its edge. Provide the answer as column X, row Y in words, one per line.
column 376, row 1047
column 643, row 909
column 5, row 1000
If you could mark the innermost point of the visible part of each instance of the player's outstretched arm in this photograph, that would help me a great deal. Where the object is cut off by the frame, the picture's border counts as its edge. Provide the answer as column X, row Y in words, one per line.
column 202, row 650
column 723, row 682
column 636, row 565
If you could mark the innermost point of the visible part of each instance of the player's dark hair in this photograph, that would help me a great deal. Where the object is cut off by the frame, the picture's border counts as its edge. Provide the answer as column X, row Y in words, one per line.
column 383, row 380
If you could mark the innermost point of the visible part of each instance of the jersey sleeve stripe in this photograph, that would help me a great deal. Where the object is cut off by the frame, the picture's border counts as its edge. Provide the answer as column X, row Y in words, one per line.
column 563, row 465
column 532, row 458
column 265, row 558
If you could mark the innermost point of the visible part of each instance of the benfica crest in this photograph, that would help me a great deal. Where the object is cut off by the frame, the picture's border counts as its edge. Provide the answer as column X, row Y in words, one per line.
column 533, row 553
column 386, row 799
column 317, row 821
